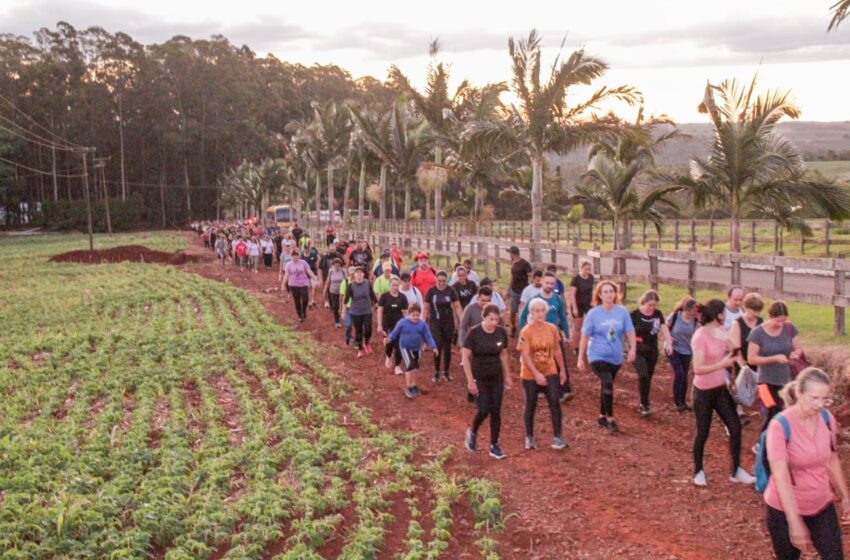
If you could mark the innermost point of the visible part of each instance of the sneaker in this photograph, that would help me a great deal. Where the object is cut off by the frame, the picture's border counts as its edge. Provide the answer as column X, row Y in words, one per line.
column 496, row 451
column 447, row 376
column 682, row 408
column 388, row 362
column 602, row 421
column 755, row 448
column 529, row 443
column 398, row 370
column 416, row 391
column 337, row 326
column 566, row 396
column 644, row 410
column 558, row 443
column 743, row 477
column 360, row 353
column 470, row 398
column 613, row 427
column 409, row 393
column 471, row 441
column 699, row 479
column 368, row 348
column 436, row 378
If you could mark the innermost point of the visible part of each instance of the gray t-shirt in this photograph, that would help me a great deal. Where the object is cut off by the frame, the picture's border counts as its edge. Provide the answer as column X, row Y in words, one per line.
column 774, row 374
column 335, row 277
column 682, row 332
column 361, row 298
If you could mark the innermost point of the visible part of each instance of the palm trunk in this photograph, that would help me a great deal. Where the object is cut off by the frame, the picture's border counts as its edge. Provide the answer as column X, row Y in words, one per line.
column 478, row 201
column 438, row 196
column 383, row 207
column 121, row 146
column 536, row 204
column 735, row 233
column 330, row 193
column 188, row 188
column 346, row 194
column 318, row 197
column 407, row 189
column 427, row 215
column 361, row 191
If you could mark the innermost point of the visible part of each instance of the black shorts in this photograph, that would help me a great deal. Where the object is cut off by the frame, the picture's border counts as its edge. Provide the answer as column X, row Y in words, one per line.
column 410, row 359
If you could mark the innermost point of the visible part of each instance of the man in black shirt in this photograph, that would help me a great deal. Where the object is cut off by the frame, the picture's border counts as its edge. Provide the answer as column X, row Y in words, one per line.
column 520, row 271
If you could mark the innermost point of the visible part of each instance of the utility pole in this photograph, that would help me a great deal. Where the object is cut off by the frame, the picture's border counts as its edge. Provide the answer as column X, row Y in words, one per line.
column 100, row 166
column 84, row 152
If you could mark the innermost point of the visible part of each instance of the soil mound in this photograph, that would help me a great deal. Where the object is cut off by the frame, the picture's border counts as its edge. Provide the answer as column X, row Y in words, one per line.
column 126, row 253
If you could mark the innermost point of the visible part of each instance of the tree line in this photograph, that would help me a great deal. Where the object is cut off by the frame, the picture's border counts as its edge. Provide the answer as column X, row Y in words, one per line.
column 193, row 129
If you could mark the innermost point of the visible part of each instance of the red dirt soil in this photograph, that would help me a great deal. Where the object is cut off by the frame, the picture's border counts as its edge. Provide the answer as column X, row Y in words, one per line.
column 628, row 496
column 126, row 253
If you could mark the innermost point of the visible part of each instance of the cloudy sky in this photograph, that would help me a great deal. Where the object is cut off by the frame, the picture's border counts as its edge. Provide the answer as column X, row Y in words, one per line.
column 666, row 48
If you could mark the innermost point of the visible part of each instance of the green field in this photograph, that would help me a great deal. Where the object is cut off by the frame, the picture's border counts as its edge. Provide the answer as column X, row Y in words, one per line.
column 150, row 413
column 837, row 170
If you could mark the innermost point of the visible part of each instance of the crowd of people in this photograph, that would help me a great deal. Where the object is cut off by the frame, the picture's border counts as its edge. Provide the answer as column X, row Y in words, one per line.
column 712, row 343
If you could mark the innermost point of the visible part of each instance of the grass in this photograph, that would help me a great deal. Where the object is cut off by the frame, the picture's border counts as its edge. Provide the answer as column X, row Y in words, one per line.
column 149, row 412
column 837, row 170
column 815, row 322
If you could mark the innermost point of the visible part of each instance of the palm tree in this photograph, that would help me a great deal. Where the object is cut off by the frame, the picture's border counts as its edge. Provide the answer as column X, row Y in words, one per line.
column 399, row 140
column 750, row 166
column 543, row 121
column 332, row 134
column 434, row 106
column 617, row 160
column 840, row 11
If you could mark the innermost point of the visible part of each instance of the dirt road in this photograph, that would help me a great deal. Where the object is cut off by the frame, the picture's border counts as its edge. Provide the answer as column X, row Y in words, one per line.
column 624, row 496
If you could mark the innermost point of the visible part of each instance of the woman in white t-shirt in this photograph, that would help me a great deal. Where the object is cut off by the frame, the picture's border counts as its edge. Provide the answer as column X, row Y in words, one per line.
column 254, row 254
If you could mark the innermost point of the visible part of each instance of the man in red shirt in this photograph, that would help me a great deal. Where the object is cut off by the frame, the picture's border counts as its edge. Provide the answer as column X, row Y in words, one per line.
column 242, row 253
column 396, row 254
column 424, row 277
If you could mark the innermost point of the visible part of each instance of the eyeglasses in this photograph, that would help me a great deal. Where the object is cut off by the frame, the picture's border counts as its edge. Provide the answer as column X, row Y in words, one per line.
column 824, row 401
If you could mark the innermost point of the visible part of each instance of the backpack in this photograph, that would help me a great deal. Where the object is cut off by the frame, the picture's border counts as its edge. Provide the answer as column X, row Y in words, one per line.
column 762, row 470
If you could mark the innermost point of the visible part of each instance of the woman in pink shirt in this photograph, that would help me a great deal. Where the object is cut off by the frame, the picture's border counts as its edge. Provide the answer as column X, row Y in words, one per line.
column 804, row 471
column 712, row 357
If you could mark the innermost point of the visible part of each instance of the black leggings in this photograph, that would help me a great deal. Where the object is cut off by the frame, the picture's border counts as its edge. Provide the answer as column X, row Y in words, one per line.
column 553, row 395
column 772, row 403
column 362, row 329
column 823, row 528
column 645, row 367
column 267, row 260
column 333, row 299
column 566, row 386
column 301, row 296
column 443, row 334
column 489, row 401
column 607, row 373
column 392, row 350
column 705, row 402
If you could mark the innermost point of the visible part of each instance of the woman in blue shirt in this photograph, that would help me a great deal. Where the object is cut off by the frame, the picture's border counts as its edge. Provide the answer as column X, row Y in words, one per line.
column 602, row 334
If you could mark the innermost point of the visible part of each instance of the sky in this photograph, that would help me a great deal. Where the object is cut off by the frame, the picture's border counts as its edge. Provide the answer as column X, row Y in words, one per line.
column 668, row 49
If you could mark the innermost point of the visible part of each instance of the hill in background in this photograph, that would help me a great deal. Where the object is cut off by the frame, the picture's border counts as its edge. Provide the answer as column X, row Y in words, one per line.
column 817, row 140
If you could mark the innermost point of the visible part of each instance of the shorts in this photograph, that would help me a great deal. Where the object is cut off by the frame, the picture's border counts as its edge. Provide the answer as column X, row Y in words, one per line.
column 410, row 359
column 582, row 309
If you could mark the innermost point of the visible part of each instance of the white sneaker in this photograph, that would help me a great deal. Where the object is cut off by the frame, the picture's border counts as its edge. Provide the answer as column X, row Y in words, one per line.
column 699, row 479
column 755, row 449
column 388, row 362
column 743, row 477
column 399, row 371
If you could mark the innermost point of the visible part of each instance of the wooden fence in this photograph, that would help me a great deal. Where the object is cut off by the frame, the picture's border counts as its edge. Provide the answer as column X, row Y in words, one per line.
column 491, row 255
column 681, row 234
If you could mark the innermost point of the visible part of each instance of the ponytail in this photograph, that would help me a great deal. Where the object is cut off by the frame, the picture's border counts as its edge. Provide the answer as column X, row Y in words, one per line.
column 790, row 394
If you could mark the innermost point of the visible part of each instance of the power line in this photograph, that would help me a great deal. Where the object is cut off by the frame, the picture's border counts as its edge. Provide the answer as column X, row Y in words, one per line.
column 41, row 141
column 37, row 171
column 157, row 185
column 33, row 121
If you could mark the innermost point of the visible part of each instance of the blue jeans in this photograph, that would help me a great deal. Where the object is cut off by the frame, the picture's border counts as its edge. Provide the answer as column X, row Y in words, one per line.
column 348, row 326
column 680, row 364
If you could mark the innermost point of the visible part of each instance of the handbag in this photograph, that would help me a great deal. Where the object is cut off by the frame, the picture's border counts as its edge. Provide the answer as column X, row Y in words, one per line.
column 746, row 387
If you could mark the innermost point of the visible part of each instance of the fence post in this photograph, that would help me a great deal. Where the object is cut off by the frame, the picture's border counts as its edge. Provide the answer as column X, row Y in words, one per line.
column 644, row 233
column 692, row 276
column 736, row 273
column 676, row 234
column 558, row 231
column 802, row 244
column 693, row 235
column 482, row 254
column 597, row 261
column 602, row 231
column 575, row 256
column 753, row 236
column 553, row 256
column 778, row 277
column 711, row 233
column 496, row 258
column 826, row 235
column 839, row 328
column 653, row 267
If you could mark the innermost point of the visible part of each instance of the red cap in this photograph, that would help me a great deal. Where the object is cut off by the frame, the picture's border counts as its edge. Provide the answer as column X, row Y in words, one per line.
column 421, row 256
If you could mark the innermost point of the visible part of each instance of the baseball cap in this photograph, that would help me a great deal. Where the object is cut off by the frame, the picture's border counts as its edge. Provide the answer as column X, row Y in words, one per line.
column 421, row 256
